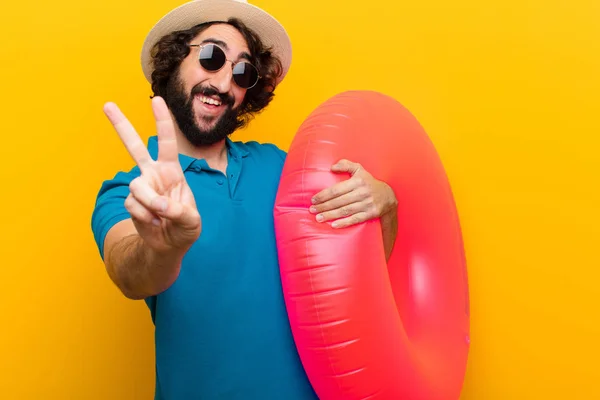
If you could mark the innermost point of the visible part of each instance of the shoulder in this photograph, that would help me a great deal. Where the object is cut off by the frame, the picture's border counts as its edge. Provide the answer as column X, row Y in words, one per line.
column 261, row 150
column 109, row 207
column 119, row 181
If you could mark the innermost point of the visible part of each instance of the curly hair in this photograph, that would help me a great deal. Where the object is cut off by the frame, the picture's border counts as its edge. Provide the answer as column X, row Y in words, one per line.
column 171, row 49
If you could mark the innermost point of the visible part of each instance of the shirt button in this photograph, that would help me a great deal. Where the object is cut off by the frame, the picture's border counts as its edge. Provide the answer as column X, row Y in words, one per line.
column 220, row 181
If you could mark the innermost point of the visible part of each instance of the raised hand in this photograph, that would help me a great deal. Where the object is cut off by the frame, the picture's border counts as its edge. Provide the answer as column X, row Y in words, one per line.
column 161, row 204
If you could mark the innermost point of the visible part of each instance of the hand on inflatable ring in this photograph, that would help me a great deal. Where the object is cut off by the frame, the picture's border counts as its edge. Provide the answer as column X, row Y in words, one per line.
column 356, row 200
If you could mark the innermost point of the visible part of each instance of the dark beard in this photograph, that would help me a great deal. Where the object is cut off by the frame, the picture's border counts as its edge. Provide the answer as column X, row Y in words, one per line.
column 182, row 108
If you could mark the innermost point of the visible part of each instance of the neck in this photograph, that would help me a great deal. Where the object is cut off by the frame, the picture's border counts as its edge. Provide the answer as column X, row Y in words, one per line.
column 215, row 154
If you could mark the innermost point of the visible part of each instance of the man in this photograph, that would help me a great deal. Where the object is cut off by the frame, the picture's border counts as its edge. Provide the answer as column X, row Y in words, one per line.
column 190, row 228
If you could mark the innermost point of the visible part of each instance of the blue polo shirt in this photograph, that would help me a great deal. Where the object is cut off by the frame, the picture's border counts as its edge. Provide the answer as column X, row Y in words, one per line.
column 221, row 330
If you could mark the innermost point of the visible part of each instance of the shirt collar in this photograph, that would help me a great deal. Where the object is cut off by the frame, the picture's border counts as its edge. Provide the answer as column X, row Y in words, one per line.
column 235, row 149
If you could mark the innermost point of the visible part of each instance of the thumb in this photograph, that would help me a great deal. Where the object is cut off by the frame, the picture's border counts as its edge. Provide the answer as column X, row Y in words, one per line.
column 346, row 166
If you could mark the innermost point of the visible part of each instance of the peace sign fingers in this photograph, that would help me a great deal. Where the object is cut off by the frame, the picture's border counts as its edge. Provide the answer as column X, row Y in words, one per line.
column 130, row 138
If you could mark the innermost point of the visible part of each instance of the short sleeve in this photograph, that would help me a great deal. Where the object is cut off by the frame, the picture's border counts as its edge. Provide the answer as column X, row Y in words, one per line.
column 110, row 205
column 278, row 152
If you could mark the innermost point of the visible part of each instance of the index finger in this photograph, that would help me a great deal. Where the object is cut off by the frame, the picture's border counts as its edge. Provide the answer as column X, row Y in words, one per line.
column 167, row 141
column 339, row 189
column 132, row 141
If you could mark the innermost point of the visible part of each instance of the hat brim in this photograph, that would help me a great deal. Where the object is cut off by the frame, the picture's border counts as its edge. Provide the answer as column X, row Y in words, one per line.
column 190, row 14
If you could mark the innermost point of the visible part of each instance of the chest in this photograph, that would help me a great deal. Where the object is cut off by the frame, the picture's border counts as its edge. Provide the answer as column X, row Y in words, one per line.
column 236, row 209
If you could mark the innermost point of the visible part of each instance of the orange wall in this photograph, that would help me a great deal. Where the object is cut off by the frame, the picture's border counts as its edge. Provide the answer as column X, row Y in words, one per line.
column 507, row 90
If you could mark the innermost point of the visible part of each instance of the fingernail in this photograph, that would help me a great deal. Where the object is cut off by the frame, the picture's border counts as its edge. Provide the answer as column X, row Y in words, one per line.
column 334, row 224
column 313, row 209
column 319, row 218
column 313, row 200
column 156, row 222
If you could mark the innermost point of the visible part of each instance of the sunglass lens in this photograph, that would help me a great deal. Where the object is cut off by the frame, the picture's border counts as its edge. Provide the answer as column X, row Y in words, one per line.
column 212, row 57
column 245, row 75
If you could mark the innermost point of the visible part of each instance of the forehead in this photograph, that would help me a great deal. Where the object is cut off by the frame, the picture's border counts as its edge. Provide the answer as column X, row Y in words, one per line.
column 224, row 33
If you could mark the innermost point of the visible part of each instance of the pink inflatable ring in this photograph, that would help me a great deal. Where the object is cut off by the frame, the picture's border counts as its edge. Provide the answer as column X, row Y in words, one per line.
column 364, row 328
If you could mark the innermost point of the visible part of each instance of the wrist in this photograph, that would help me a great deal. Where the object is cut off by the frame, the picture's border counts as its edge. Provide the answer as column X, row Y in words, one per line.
column 164, row 268
column 165, row 257
column 391, row 204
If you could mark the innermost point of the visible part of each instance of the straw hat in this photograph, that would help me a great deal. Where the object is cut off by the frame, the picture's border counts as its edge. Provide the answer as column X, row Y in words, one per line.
column 195, row 12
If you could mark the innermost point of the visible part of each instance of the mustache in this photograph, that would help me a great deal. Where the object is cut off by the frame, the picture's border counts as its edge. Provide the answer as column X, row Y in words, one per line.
column 225, row 98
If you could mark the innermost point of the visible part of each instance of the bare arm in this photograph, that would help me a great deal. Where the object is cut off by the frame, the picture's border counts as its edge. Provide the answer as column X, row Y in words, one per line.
column 135, row 268
column 389, row 229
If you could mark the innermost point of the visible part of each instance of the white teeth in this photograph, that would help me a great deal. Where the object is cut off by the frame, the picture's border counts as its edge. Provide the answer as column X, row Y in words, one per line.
column 208, row 100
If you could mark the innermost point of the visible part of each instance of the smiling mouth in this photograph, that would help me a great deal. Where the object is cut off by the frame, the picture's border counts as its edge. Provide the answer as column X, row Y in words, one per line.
column 209, row 100
column 209, row 108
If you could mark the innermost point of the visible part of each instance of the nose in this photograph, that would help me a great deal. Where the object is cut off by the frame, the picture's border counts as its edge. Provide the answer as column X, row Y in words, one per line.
column 222, row 78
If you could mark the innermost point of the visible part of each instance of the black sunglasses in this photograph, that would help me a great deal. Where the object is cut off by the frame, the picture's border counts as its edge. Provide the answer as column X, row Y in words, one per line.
column 212, row 58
